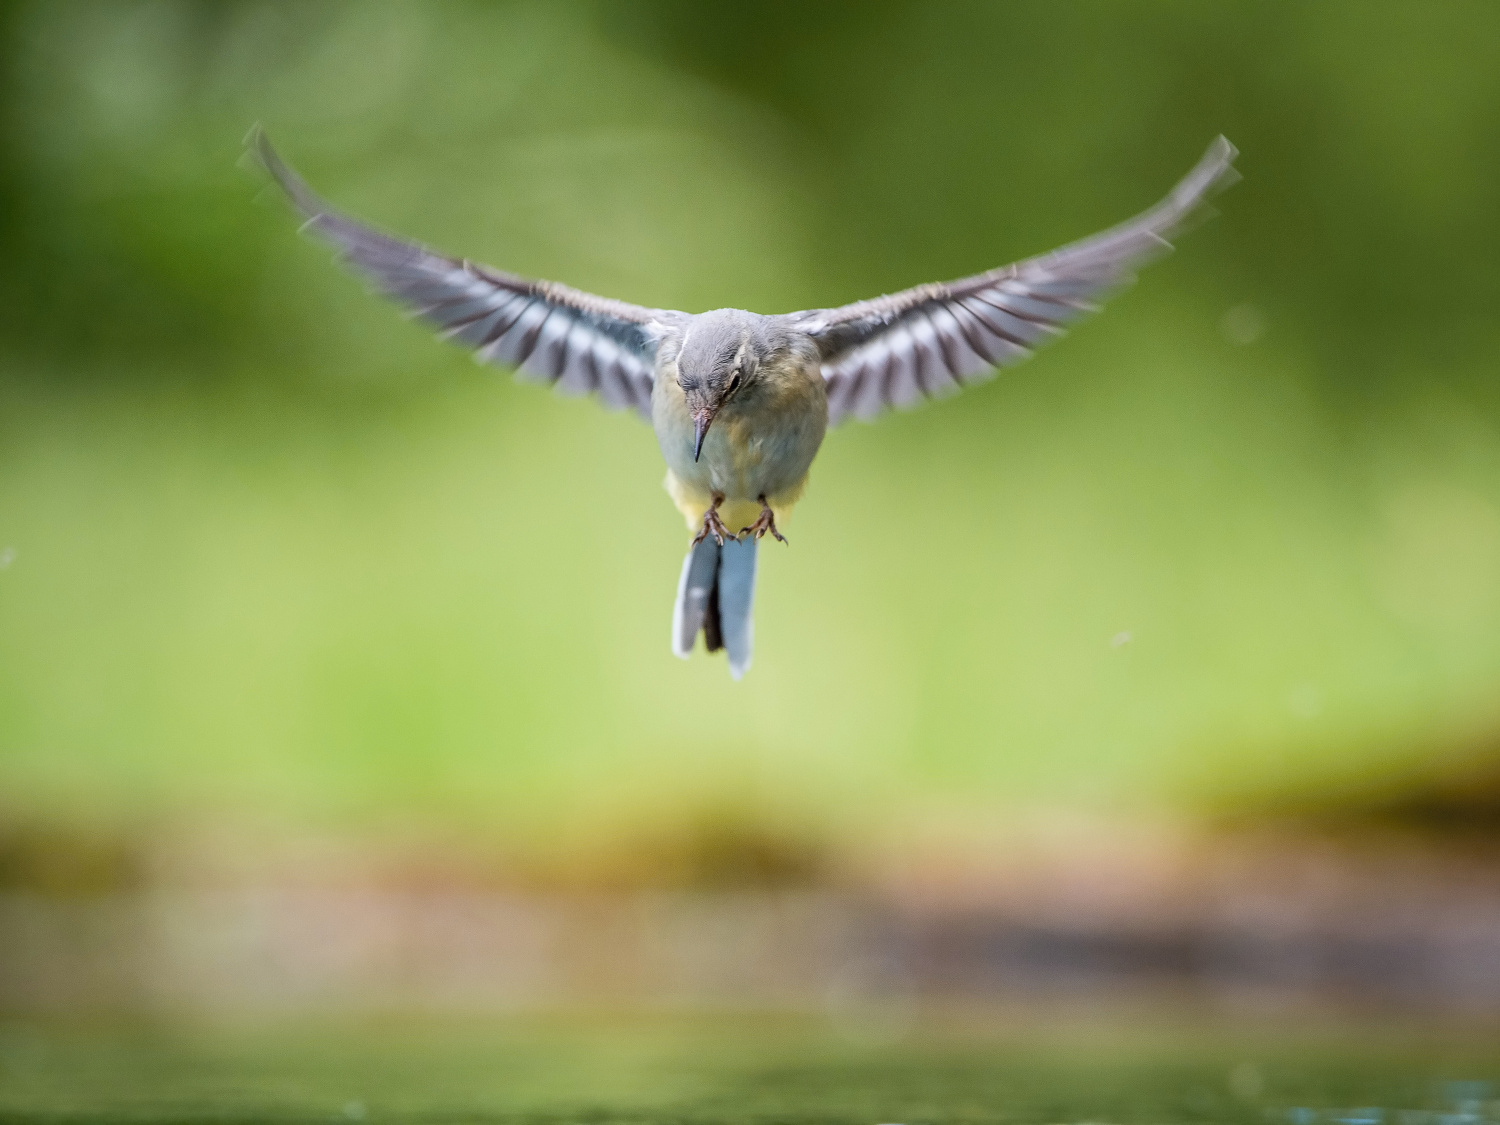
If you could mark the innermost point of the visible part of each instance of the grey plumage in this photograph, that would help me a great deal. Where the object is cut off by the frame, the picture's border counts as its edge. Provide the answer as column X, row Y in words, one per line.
column 700, row 574
column 736, row 602
column 933, row 339
column 715, row 596
column 546, row 331
column 761, row 374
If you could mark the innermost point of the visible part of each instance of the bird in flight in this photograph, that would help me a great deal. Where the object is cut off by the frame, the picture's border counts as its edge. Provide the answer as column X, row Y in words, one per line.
column 740, row 401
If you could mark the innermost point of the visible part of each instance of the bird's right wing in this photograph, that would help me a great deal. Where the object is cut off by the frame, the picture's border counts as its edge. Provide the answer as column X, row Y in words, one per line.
column 934, row 339
column 546, row 331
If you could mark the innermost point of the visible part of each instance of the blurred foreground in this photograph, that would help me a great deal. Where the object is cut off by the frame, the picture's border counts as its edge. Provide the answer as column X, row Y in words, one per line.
column 1245, row 923
column 1026, row 1067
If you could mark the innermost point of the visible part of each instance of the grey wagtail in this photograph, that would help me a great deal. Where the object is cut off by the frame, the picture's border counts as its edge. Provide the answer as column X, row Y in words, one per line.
column 740, row 401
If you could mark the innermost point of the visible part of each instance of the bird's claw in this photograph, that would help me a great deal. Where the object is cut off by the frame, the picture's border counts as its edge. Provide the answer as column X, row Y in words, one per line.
column 764, row 522
column 713, row 525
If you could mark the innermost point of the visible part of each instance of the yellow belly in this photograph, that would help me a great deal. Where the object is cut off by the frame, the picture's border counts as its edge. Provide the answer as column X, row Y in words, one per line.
column 735, row 513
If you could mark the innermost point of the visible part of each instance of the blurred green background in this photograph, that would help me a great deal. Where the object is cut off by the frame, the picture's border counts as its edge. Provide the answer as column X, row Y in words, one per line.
column 277, row 564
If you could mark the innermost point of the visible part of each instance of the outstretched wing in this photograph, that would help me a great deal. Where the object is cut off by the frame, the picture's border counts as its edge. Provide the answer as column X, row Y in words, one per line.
column 934, row 339
column 546, row 331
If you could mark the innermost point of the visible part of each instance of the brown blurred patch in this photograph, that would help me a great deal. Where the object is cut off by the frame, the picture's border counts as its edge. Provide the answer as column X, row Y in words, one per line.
column 58, row 860
column 719, row 849
column 1446, row 797
column 721, row 853
column 1462, row 801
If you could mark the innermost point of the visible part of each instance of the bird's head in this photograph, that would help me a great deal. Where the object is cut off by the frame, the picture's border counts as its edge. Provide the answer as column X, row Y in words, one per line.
column 721, row 354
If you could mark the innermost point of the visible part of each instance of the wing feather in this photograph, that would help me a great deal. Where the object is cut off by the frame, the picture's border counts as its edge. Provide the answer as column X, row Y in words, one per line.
column 931, row 340
column 549, row 332
column 614, row 388
column 958, row 353
column 575, row 376
column 549, row 350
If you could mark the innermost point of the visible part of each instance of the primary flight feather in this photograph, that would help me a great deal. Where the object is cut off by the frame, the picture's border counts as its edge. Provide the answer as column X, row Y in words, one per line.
column 739, row 401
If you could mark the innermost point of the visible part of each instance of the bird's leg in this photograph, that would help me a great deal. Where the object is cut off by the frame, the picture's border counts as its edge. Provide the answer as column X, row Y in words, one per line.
column 712, row 524
column 764, row 522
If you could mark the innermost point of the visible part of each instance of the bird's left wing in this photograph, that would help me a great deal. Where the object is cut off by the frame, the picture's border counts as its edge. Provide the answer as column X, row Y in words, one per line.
column 548, row 332
column 934, row 339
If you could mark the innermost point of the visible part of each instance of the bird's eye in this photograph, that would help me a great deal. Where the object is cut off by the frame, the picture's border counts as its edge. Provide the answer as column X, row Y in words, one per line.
column 734, row 382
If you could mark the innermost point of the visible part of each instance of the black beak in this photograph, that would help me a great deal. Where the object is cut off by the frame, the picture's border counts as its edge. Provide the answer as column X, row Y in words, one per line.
column 702, row 419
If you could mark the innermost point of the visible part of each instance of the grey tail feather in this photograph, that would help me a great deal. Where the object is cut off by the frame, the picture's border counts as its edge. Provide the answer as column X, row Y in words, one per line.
column 716, row 596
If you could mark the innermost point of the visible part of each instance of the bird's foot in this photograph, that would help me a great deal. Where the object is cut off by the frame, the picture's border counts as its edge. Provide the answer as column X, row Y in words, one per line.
column 713, row 525
column 764, row 522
